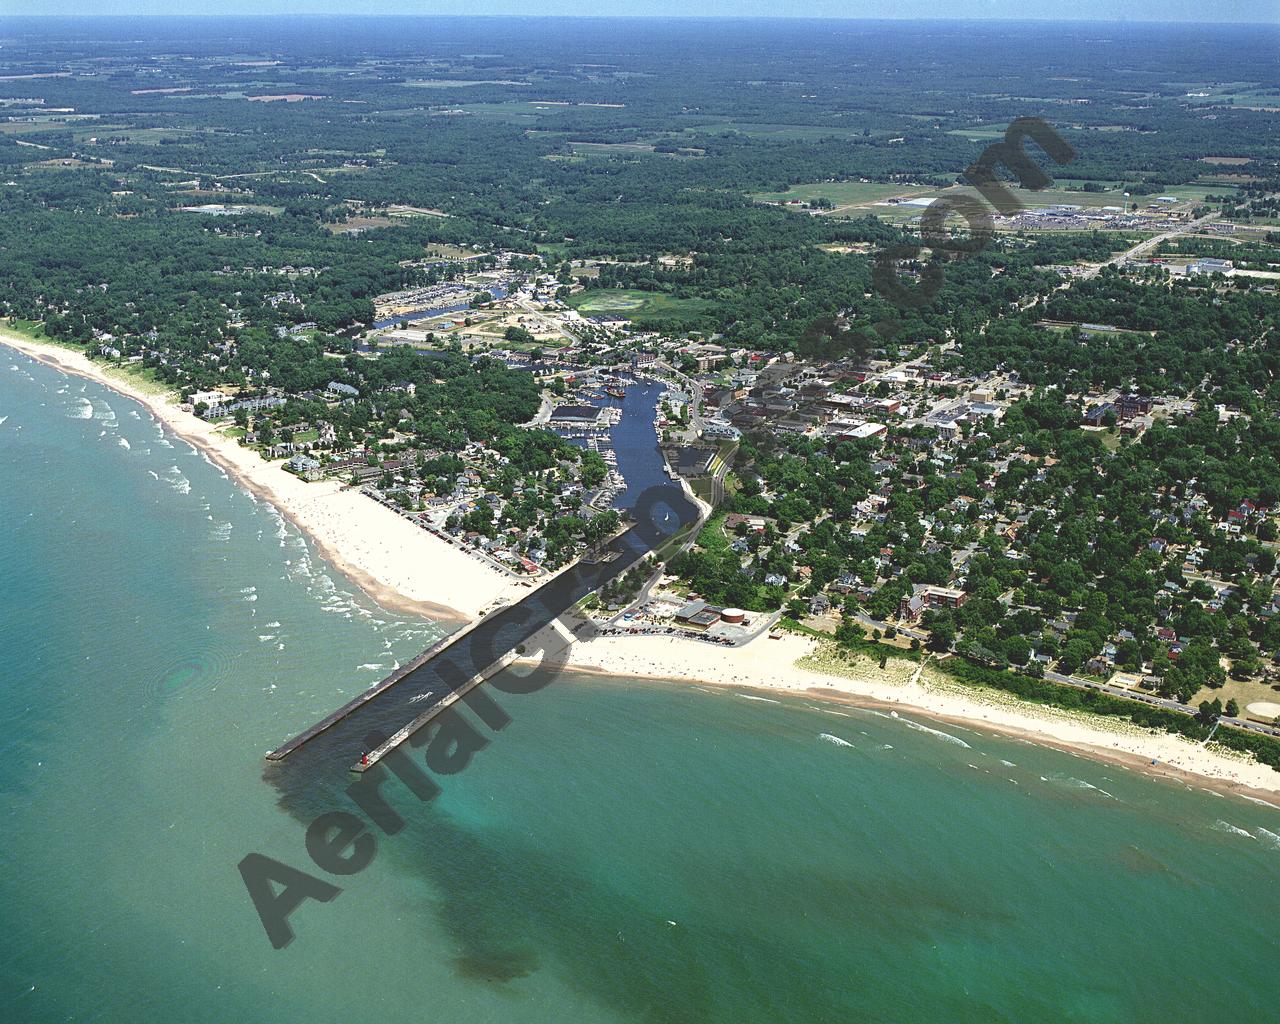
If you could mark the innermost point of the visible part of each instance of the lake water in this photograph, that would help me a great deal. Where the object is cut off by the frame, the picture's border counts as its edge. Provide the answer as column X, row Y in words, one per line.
column 619, row 852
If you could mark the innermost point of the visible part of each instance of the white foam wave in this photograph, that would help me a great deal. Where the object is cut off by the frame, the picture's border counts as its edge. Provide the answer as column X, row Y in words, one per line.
column 1264, row 803
column 83, row 411
column 1268, row 837
column 1230, row 829
column 836, row 740
column 123, row 442
column 1074, row 783
column 748, row 696
column 946, row 736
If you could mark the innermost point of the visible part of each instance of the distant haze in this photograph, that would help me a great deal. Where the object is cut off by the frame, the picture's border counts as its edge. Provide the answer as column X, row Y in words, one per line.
column 1048, row 10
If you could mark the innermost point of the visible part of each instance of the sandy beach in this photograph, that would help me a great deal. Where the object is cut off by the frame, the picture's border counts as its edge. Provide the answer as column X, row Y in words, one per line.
column 406, row 568
column 396, row 563
column 793, row 665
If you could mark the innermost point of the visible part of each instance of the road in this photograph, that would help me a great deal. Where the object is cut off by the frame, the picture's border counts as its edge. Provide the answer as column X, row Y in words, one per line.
column 1157, row 701
column 1142, row 248
column 548, row 322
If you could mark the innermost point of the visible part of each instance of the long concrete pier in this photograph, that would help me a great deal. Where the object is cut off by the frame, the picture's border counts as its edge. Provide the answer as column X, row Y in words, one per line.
column 450, row 668
column 554, row 638
column 439, row 647
column 375, row 755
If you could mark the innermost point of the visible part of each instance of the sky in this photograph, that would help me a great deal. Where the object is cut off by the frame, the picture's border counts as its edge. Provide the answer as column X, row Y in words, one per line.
column 1099, row 10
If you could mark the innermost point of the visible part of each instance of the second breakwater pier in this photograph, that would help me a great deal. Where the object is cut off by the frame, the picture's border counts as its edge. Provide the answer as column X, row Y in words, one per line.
column 363, row 730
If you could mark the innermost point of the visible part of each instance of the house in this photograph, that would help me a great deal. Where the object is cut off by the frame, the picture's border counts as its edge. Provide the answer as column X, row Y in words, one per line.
column 929, row 597
column 848, row 583
column 304, row 466
column 755, row 524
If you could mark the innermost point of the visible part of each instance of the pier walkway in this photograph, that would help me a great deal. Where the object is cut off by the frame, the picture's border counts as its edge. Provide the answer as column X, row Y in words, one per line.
column 443, row 673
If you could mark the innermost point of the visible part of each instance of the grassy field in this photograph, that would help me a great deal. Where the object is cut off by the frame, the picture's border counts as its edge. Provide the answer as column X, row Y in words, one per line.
column 34, row 332
column 520, row 112
column 780, row 132
column 458, row 83
column 635, row 305
column 844, row 193
column 137, row 136
column 44, row 125
column 981, row 133
column 856, row 198
column 610, row 148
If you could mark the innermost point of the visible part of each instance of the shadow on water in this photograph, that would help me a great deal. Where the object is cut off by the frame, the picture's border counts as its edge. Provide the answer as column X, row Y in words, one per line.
column 512, row 908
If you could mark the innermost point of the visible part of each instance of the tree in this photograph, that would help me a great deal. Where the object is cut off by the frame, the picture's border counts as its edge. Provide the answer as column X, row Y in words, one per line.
column 1074, row 654
column 942, row 630
column 1017, row 650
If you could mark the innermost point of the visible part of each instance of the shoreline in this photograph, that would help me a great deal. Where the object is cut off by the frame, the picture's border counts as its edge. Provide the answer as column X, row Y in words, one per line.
column 388, row 558
column 775, row 668
column 384, row 555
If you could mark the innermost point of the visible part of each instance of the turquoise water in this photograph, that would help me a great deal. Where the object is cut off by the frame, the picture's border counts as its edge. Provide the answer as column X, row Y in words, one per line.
column 620, row 852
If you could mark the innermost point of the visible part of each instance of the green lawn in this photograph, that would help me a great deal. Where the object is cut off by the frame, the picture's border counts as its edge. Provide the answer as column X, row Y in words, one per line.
column 844, row 193
column 458, row 83
column 780, row 132
column 636, row 305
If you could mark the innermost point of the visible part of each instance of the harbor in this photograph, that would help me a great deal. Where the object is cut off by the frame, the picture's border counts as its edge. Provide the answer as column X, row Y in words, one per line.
column 448, row 669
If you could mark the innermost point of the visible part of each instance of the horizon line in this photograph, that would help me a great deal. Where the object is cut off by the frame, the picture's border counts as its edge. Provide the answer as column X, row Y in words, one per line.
column 376, row 15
